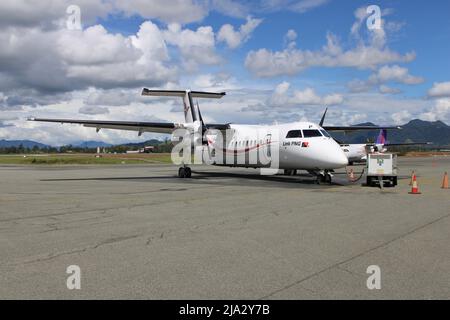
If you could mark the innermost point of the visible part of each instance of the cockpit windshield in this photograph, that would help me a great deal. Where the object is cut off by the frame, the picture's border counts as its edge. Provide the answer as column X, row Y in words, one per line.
column 325, row 134
column 310, row 133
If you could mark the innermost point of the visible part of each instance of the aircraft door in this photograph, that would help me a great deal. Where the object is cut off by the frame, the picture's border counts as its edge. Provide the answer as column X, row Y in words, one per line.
column 268, row 141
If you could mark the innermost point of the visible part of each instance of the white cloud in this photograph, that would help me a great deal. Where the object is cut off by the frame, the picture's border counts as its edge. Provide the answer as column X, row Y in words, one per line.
column 215, row 82
column 396, row 74
column 291, row 35
column 303, row 6
column 367, row 54
column 231, row 8
column 401, row 117
column 234, row 38
column 384, row 75
column 267, row 63
column 357, row 86
column 49, row 13
column 61, row 60
column 2, row 98
column 66, row 60
column 388, row 90
column 196, row 47
column 440, row 111
column 93, row 110
column 307, row 96
column 171, row 11
column 95, row 45
column 439, row 89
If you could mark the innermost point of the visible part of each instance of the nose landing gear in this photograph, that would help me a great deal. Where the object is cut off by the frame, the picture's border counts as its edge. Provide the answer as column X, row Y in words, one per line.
column 325, row 178
column 322, row 176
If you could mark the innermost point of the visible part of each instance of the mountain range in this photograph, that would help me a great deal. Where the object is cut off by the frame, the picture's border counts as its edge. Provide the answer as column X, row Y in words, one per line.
column 436, row 132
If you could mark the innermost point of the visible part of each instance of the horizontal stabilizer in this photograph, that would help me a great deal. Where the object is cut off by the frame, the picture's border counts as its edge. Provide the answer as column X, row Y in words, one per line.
column 181, row 94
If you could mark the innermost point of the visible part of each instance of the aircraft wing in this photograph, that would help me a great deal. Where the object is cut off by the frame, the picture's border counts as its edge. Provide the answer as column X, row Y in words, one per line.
column 353, row 128
column 407, row 144
column 157, row 127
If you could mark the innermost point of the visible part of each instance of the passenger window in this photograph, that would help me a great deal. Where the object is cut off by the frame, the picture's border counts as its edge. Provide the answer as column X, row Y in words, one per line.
column 294, row 134
column 310, row 133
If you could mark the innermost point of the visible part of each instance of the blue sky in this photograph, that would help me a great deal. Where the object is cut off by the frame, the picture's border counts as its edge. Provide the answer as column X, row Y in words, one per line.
column 417, row 32
column 278, row 60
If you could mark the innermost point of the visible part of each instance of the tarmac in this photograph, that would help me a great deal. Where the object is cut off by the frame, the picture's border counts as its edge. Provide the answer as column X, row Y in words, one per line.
column 139, row 232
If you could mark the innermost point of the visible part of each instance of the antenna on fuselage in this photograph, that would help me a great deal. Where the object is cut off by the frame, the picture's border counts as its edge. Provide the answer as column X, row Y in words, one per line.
column 323, row 117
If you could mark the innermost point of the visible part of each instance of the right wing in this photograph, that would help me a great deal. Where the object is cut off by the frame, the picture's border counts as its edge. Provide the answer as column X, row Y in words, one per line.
column 158, row 127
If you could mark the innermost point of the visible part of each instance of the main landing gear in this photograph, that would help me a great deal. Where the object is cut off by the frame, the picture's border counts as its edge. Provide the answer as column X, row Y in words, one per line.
column 289, row 172
column 184, row 172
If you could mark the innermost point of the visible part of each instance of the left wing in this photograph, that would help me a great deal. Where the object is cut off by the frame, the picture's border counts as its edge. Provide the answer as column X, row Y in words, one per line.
column 407, row 144
column 352, row 128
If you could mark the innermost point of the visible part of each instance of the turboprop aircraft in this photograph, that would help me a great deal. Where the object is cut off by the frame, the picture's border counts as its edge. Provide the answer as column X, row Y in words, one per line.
column 357, row 152
column 289, row 147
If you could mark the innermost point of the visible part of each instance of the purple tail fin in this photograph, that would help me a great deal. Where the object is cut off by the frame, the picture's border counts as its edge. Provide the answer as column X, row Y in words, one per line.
column 382, row 137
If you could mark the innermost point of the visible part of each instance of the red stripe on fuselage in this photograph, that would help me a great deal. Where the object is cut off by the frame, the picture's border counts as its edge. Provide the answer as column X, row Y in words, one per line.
column 242, row 150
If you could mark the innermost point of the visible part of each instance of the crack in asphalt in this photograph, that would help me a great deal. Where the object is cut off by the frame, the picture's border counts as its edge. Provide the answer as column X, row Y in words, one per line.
column 69, row 252
column 337, row 265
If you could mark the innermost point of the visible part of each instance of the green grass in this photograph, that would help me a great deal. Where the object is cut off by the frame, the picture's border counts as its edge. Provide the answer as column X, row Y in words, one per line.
column 68, row 159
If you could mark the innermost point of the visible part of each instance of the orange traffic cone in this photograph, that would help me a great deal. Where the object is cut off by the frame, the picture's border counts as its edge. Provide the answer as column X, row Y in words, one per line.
column 412, row 175
column 445, row 181
column 352, row 175
column 415, row 187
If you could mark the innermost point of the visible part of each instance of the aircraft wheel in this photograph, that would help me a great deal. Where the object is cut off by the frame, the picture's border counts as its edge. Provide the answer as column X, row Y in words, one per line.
column 187, row 172
column 184, row 172
column 326, row 178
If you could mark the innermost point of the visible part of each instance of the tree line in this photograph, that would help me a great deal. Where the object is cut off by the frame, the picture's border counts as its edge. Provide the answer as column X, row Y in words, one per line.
column 164, row 147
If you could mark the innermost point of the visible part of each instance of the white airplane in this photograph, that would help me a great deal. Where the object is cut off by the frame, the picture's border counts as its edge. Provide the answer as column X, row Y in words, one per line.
column 357, row 152
column 296, row 146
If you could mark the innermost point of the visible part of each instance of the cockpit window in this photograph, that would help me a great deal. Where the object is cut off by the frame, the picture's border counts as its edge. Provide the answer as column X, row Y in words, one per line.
column 326, row 134
column 294, row 134
column 309, row 133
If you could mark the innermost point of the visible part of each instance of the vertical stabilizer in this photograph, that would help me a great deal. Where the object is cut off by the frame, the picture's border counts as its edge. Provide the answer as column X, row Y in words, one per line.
column 382, row 137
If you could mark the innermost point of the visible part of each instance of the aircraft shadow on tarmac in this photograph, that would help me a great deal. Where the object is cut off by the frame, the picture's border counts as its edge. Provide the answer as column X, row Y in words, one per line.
column 225, row 178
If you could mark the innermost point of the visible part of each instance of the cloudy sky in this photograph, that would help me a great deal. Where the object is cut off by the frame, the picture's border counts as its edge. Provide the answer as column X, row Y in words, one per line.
column 278, row 60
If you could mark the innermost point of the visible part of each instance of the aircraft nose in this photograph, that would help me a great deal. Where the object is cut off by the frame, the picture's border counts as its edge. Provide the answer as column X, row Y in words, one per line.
column 339, row 159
